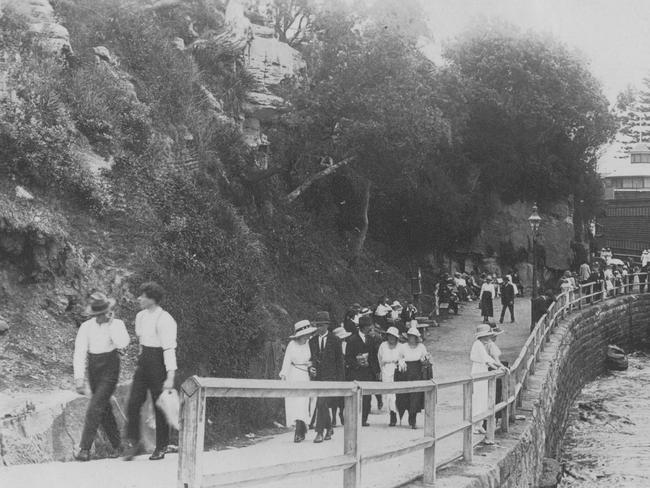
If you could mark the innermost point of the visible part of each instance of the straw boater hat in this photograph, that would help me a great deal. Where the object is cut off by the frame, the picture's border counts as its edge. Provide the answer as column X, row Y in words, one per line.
column 396, row 304
column 341, row 333
column 99, row 304
column 484, row 330
column 393, row 331
column 365, row 311
column 302, row 328
column 414, row 332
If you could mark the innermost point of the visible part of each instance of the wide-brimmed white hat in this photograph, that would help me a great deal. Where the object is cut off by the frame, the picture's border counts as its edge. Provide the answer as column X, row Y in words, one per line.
column 484, row 330
column 99, row 304
column 302, row 328
column 414, row 332
column 396, row 304
column 393, row 331
column 341, row 333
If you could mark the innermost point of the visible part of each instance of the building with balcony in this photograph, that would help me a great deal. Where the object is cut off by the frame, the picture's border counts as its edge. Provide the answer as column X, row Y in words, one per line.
column 625, row 224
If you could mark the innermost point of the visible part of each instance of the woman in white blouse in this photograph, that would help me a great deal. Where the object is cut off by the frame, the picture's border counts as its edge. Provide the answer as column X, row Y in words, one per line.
column 488, row 292
column 482, row 362
column 389, row 355
column 295, row 367
column 414, row 360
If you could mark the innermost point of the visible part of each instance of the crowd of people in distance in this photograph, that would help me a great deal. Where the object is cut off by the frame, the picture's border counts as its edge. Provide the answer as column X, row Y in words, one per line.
column 467, row 287
column 380, row 345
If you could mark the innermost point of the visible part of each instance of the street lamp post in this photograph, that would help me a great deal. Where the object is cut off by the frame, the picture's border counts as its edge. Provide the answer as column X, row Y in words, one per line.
column 534, row 220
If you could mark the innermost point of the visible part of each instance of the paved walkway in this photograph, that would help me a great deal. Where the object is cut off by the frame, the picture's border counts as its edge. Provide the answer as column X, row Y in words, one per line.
column 449, row 345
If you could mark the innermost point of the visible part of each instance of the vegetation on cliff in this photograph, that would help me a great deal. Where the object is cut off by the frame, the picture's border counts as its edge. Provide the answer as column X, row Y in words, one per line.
column 381, row 151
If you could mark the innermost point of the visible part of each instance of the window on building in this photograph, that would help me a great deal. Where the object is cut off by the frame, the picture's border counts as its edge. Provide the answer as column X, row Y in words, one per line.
column 640, row 157
column 628, row 183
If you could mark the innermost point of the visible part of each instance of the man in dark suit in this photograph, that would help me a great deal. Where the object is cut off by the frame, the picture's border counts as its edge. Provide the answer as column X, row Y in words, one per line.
column 507, row 299
column 362, row 362
column 327, row 365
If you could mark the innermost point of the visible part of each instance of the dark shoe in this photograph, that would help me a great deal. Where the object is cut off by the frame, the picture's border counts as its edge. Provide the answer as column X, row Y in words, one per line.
column 157, row 455
column 380, row 405
column 365, row 424
column 318, row 439
column 83, row 455
column 116, row 452
column 328, row 435
column 341, row 418
column 333, row 421
column 393, row 419
column 301, row 430
column 132, row 451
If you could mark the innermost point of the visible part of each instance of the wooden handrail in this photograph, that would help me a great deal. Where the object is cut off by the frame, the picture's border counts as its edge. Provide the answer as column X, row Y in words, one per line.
column 196, row 390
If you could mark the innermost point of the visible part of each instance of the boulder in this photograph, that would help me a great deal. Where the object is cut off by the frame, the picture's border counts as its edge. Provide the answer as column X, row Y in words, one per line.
column 23, row 194
column 52, row 36
column 4, row 325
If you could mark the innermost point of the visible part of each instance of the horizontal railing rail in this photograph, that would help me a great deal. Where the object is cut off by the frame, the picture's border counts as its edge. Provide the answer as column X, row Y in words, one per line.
column 195, row 391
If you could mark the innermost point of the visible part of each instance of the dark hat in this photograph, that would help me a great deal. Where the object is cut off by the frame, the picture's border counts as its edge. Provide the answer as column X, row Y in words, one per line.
column 322, row 318
column 365, row 320
column 99, row 304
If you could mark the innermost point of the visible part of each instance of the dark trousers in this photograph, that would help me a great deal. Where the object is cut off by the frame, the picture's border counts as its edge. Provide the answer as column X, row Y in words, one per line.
column 150, row 374
column 323, row 418
column 507, row 306
column 103, row 373
column 365, row 407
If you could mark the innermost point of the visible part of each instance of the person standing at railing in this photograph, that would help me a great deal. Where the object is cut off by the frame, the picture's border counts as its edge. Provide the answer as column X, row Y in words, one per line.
column 361, row 359
column 414, row 365
column 482, row 362
column 295, row 367
column 635, row 279
column 488, row 292
column 388, row 356
column 327, row 365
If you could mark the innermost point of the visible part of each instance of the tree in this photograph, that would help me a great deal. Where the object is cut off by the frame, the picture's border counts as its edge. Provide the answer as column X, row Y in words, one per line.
column 370, row 110
column 537, row 115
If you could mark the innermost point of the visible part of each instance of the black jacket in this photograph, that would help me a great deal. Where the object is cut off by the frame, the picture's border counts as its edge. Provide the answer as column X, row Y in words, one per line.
column 330, row 363
column 507, row 293
column 355, row 347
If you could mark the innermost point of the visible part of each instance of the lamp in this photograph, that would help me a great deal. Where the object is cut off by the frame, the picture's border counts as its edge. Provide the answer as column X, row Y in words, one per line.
column 534, row 221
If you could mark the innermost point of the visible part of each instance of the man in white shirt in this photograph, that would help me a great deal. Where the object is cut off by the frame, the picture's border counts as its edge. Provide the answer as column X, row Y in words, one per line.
column 156, row 331
column 97, row 343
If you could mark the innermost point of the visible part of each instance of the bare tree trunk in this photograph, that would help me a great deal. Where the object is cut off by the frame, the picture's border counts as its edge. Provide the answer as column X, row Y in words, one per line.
column 312, row 179
column 364, row 222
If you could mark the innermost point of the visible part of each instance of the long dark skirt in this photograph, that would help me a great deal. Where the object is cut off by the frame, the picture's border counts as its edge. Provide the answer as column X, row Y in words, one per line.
column 413, row 402
column 487, row 310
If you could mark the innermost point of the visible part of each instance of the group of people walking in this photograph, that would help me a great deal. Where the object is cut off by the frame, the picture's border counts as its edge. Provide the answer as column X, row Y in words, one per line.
column 321, row 351
column 98, row 345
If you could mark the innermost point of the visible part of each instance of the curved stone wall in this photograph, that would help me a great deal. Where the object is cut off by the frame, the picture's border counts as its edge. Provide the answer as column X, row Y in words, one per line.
column 574, row 356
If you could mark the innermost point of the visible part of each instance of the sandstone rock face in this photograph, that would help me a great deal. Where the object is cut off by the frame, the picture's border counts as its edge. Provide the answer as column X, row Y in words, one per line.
column 268, row 60
column 509, row 229
column 52, row 36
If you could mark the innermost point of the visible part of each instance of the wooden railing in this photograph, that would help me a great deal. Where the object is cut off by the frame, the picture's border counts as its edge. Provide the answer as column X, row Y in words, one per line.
column 195, row 391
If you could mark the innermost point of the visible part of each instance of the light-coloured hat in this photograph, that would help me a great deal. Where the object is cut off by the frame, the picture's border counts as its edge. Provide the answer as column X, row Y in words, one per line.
column 484, row 330
column 99, row 304
column 341, row 333
column 365, row 311
column 396, row 304
column 414, row 332
column 302, row 328
column 393, row 331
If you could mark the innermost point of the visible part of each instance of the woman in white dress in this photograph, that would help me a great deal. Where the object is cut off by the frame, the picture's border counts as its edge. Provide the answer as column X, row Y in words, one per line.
column 388, row 356
column 482, row 362
column 488, row 293
column 414, row 364
column 295, row 367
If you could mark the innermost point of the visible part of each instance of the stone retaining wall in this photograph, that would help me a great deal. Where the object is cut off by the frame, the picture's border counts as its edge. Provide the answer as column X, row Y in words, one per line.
column 574, row 356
